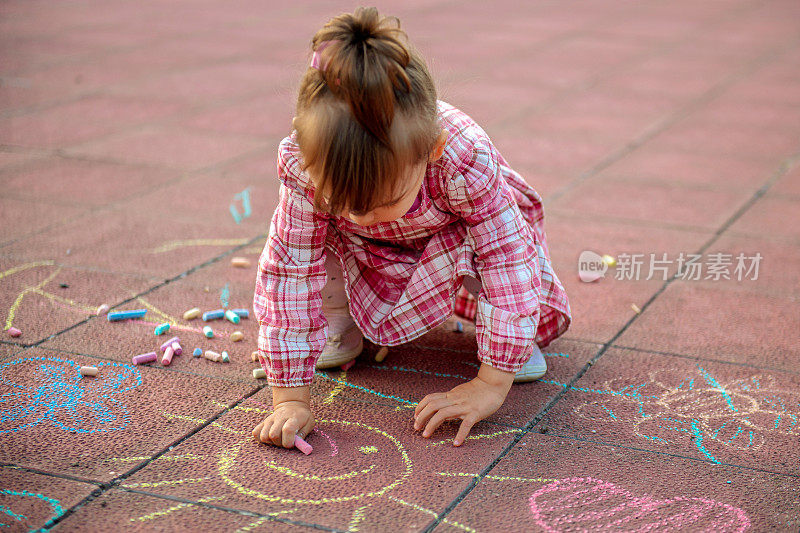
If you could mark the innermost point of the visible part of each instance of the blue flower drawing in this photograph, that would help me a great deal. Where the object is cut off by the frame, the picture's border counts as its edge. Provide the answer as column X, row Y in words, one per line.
column 48, row 390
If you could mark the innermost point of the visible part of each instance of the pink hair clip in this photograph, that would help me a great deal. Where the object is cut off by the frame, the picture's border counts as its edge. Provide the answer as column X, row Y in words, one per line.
column 316, row 59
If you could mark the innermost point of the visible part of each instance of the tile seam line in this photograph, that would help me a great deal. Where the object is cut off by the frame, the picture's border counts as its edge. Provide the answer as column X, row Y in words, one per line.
column 674, row 118
column 231, row 510
column 67, row 477
column 787, row 164
column 114, row 483
column 178, row 277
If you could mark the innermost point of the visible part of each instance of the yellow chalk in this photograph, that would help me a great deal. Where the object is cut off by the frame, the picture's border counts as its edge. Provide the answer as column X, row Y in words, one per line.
column 241, row 262
column 254, row 356
column 636, row 309
column 258, row 373
column 191, row 314
column 236, row 336
column 381, row 355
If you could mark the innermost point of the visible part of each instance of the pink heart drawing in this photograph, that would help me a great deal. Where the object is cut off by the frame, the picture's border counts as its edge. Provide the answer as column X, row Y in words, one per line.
column 587, row 504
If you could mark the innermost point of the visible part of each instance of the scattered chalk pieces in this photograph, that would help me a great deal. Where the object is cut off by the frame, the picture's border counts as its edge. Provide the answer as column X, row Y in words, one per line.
column 88, row 371
column 258, row 373
column 236, row 336
column 240, row 262
column 144, row 358
column 213, row 315
column 302, row 445
column 191, row 314
column 177, row 348
column 125, row 315
column 242, row 313
column 166, row 344
column 232, row 317
column 208, row 332
column 254, row 356
column 13, row 332
column 348, row 365
column 103, row 309
column 636, row 309
column 197, row 352
column 161, row 328
column 212, row 356
column 225, row 357
column 381, row 355
column 167, row 359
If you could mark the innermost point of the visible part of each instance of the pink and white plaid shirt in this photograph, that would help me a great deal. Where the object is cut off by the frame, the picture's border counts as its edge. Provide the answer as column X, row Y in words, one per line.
column 475, row 216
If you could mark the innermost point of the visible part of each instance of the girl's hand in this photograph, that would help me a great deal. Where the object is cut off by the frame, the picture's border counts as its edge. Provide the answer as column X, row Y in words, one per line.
column 471, row 402
column 288, row 419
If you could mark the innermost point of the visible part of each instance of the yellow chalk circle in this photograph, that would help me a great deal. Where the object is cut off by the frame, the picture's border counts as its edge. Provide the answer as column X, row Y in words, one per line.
column 191, row 314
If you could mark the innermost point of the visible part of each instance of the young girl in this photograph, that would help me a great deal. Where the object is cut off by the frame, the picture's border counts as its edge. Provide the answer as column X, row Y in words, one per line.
column 394, row 209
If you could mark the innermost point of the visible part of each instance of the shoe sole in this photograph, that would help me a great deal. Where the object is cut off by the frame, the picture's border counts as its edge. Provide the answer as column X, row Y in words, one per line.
column 340, row 358
column 531, row 375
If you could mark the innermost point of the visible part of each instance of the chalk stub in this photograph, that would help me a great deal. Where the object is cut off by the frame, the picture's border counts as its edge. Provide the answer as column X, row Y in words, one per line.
column 144, row 358
column 258, row 373
column 213, row 315
column 208, row 332
column 88, row 371
column 192, row 313
column 381, row 355
column 236, row 336
column 13, row 332
column 161, row 328
column 232, row 317
column 102, row 309
column 168, row 343
column 168, row 353
column 636, row 309
column 225, row 357
column 254, row 356
column 240, row 262
column 126, row 315
column 212, row 356
column 302, row 445
column 197, row 352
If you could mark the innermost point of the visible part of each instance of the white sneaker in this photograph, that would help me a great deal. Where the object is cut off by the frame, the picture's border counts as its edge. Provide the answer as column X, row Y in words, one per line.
column 533, row 369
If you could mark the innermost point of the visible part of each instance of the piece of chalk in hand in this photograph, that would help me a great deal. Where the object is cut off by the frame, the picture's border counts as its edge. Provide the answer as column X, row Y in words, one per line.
column 302, row 445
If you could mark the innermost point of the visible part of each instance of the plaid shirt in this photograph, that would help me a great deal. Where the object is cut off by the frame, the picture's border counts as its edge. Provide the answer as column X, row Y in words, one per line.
column 475, row 216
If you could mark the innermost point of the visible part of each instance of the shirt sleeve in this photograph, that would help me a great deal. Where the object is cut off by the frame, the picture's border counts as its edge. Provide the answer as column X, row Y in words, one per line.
column 506, row 260
column 291, row 274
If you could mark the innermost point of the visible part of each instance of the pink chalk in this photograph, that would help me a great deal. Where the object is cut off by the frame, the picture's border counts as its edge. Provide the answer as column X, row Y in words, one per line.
column 168, row 353
column 14, row 332
column 177, row 348
column 169, row 343
column 144, row 358
column 302, row 445
column 348, row 364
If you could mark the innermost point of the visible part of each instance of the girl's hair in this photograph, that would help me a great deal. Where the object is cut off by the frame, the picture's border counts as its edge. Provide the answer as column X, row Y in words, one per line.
column 366, row 114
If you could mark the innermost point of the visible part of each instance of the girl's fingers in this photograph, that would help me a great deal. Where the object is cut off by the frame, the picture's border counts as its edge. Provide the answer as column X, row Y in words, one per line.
column 428, row 411
column 257, row 431
column 438, row 418
column 464, row 429
column 425, row 401
column 289, row 432
column 265, row 428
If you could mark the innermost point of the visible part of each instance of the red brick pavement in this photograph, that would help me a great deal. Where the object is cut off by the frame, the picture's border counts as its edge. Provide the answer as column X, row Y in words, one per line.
column 133, row 134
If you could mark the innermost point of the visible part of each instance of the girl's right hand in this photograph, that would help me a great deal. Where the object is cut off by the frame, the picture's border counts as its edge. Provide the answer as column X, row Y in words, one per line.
column 288, row 419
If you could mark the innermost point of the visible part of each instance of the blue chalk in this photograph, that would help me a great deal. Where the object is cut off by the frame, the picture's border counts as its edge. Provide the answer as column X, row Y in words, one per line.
column 208, row 332
column 213, row 315
column 197, row 352
column 243, row 313
column 161, row 328
column 124, row 315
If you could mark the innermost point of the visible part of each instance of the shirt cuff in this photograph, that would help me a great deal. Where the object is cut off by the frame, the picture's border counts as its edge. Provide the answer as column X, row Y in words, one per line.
column 505, row 339
column 279, row 377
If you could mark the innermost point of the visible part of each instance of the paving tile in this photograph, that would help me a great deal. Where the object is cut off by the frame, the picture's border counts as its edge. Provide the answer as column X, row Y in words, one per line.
column 383, row 476
column 121, row 510
column 428, row 365
column 716, row 323
column 19, row 218
column 773, row 216
column 8, row 349
column 81, row 120
column 161, row 246
column 601, row 308
column 99, row 428
column 552, row 484
column 654, row 165
column 168, row 146
column 716, row 412
column 31, row 501
column 788, row 185
column 269, row 115
column 665, row 203
column 78, row 182
column 42, row 298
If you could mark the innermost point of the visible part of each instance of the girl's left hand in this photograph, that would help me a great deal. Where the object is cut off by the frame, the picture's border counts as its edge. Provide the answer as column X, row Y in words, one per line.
column 471, row 402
